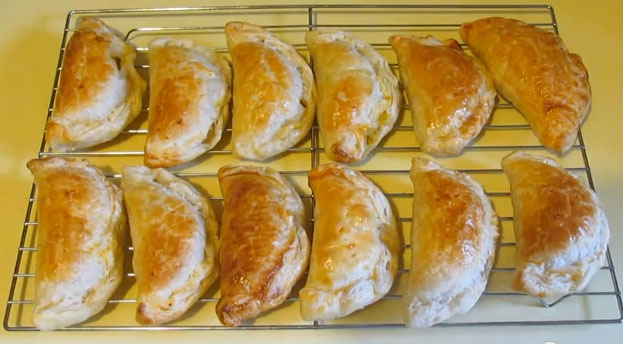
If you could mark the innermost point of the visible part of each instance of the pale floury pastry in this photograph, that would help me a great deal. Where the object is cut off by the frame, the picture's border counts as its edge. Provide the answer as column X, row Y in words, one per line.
column 453, row 239
column 264, row 246
column 175, row 238
column 358, row 95
column 561, row 229
column 355, row 247
column 99, row 92
column 451, row 94
column 80, row 245
column 533, row 69
column 189, row 101
column 274, row 93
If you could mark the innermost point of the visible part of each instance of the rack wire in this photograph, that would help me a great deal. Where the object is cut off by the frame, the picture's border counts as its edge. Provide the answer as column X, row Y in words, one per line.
column 388, row 166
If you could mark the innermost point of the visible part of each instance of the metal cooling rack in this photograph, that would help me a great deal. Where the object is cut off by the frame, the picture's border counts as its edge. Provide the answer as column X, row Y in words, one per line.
column 599, row 303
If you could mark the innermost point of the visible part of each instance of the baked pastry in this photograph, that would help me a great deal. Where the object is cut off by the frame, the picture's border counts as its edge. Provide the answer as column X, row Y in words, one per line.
column 79, row 240
column 274, row 93
column 355, row 246
column 264, row 245
column 99, row 93
column 189, row 101
column 561, row 229
column 358, row 95
column 174, row 233
column 450, row 93
column 533, row 69
column 453, row 239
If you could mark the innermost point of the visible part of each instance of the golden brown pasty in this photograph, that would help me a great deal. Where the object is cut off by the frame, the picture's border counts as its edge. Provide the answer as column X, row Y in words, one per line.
column 561, row 229
column 99, row 92
column 359, row 98
column 79, row 239
column 264, row 248
column 174, row 234
column 274, row 93
column 533, row 69
column 355, row 246
column 189, row 101
column 450, row 93
column 453, row 238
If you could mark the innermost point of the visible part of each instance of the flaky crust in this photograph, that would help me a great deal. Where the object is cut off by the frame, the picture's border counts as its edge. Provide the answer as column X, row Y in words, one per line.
column 265, row 248
column 79, row 240
column 453, row 239
column 451, row 94
column 355, row 246
column 174, row 233
column 359, row 98
column 533, row 69
column 274, row 93
column 189, row 101
column 561, row 229
column 99, row 93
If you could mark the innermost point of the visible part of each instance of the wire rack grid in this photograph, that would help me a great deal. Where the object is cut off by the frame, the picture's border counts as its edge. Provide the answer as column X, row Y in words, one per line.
column 388, row 167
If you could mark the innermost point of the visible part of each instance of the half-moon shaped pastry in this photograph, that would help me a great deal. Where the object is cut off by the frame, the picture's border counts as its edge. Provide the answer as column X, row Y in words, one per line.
column 450, row 93
column 358, row 95
column 561, row 229
column 174, row 233
column 264, row 247
column 453, row 239
column 99, row 92
column 533, row 69
column 355, row 246
column 79, row 240
column 189, row 101
column 274, row 93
